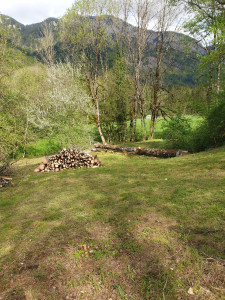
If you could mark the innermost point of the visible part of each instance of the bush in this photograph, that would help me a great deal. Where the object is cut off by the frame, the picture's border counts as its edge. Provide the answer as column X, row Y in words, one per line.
column 211, row 133
column 177, row 131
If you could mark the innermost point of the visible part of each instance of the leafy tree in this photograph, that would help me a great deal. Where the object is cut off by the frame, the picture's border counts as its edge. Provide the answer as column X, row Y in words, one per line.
column 121, row 95
column 207, row 26
column 178, row 131
column 68, row 106
column 83, row 31
column 115, row 108
column 11, row 126
column 211, row 133
column 10, row 116
column 31, row 85
column 10, row 57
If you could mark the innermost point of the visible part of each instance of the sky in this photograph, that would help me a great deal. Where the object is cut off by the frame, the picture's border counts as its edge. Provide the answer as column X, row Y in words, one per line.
column 34, row 11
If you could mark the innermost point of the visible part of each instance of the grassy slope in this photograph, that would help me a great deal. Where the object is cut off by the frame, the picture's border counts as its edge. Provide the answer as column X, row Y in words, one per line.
column 152, row 229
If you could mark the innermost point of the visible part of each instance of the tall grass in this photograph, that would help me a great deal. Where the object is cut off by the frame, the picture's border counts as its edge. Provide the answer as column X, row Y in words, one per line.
column 48, row 146
column 140, row 136
column 42, row 147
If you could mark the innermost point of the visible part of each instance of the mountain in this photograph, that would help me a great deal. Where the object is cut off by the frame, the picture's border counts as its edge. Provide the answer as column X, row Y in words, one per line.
column 183, row 47
column 29, row 33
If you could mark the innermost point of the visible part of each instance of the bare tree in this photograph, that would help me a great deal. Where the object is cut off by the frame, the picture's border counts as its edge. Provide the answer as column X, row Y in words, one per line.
column 166, row 18
column 134, row 40
column 46, row 46
column 155, row 25
column 142, row 14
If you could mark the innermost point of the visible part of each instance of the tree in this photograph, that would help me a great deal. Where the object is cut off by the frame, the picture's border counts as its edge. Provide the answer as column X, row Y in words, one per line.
column 139, row 44
column 142, row 14
column 83, row 31
column 30, row 84
column 115, row 105
column 121, row 95
column 53, row 103
column 166, row 18
column 10, row 116
column 11, row 126
column 10, row 57
column 46, row 46
column 207, row 26
column 134, row 41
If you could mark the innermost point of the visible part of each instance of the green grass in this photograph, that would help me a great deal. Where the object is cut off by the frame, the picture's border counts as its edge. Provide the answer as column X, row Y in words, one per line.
column 42, row 147
column 194, row 120
column 157, row 142
column 48, row 146
column 137, row 228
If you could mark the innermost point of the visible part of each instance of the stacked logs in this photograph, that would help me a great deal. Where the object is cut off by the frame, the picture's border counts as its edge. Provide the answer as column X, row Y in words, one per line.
column 4, row 181
column 68, row 159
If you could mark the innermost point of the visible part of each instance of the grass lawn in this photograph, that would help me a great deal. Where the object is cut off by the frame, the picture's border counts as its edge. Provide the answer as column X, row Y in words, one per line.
column 137, row 228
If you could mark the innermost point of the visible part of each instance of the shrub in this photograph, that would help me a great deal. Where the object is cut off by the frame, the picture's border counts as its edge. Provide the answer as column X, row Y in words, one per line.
column 211, row 133
column 177, row 131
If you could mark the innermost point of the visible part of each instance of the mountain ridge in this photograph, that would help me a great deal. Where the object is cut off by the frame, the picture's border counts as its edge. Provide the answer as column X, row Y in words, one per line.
column 31, row 33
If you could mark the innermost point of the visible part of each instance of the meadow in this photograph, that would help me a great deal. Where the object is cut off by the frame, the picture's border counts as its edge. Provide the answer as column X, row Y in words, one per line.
column 136, row 228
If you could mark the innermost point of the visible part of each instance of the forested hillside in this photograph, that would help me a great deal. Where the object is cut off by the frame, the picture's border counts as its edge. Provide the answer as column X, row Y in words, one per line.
column 182, row 58
column 124, row 72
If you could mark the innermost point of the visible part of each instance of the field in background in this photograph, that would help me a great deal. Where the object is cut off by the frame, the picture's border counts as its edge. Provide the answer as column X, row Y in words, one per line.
column 194, row 120
column 137, row 228
column 51, row 145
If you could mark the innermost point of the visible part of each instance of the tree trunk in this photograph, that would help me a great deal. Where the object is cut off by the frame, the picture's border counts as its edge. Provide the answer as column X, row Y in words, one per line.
column 25, row 137
column 131, row 128
column 159, row 46
column 136, row 99
column 218, row 79
column 135, row 119
column 163, row 153
column 98, row 123
column 155, row 101
column 152, row 124
column 209, row 88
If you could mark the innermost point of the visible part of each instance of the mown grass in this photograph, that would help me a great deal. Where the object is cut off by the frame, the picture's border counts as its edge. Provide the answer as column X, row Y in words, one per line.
column 137, row 228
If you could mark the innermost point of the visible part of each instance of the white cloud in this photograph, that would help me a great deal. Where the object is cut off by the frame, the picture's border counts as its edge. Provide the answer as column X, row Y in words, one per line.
column 33, row 11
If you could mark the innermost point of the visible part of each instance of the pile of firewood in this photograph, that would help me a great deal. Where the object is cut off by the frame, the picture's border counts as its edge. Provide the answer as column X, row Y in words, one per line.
column 5, row 181
column 68, row 159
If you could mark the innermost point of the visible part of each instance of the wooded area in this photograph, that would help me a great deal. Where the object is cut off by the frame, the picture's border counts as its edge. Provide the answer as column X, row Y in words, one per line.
column 139, row 80
column 112, row 74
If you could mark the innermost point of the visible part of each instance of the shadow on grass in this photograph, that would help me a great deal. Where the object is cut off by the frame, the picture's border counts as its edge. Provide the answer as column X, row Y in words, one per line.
column 136, row 253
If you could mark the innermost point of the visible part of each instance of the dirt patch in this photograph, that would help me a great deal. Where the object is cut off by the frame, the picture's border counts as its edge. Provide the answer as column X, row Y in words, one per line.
column 100, row 232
